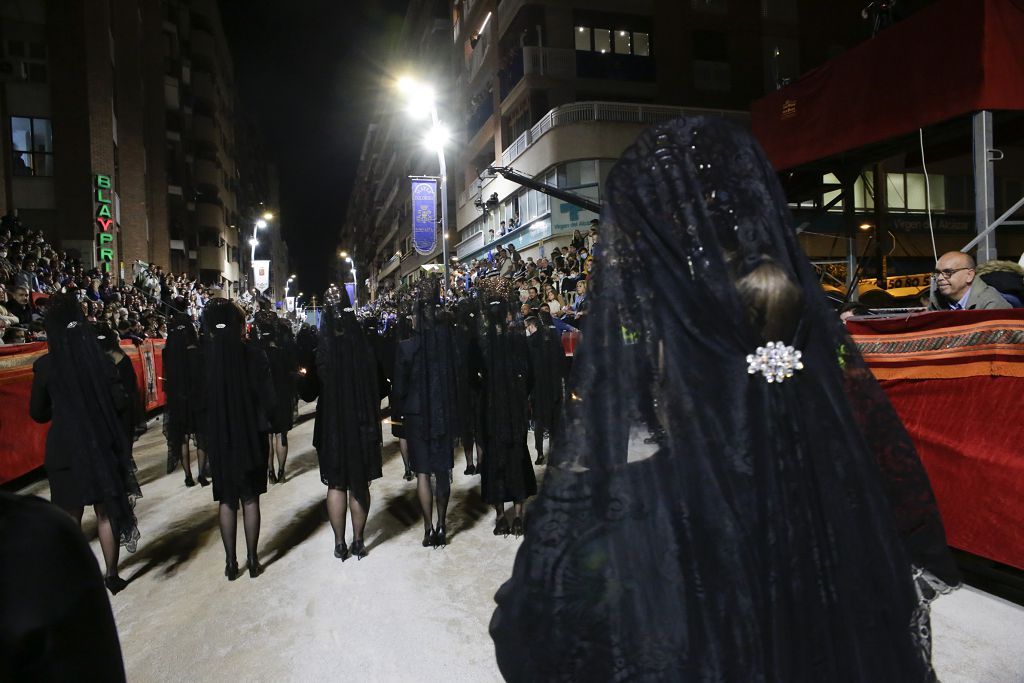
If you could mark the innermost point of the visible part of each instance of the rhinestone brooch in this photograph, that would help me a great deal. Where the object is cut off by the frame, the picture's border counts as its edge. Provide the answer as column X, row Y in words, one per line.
column 776, row 361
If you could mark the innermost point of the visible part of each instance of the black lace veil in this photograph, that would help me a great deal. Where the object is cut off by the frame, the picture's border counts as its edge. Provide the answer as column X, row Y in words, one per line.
column 698, row 522
column 232, row 427
column 85, row 377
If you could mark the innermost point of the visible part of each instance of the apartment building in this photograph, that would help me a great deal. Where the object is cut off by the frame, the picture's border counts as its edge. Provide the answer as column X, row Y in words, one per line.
column 118, row 128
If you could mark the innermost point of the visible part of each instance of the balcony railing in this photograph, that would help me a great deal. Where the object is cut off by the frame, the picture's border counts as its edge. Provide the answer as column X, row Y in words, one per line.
column 608, row 112
column 537, row 61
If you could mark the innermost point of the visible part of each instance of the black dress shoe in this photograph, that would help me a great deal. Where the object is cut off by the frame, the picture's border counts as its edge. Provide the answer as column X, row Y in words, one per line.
column 231, row 570
column 440, row 537
column 341, row 551
column 501, row 527
column 358, row 549
column 428, row 538
column 203, row 481
column 189, row 481
column 114, row 584
column 255, row 568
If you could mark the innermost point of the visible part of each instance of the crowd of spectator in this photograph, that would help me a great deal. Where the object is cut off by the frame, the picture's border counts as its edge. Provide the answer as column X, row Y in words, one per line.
column 31, row 269
column 556, row 283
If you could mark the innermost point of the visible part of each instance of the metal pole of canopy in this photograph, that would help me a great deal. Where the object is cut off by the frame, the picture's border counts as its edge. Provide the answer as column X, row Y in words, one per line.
column 984, row 184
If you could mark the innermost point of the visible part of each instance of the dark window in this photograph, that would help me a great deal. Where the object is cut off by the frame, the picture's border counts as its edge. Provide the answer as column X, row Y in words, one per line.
column 37, row 50
column 710, row 46
column 32, row 146
column 15, row 48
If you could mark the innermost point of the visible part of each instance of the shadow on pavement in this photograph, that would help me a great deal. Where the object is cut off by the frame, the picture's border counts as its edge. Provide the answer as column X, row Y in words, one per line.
column 302, row 527
column 174, row 547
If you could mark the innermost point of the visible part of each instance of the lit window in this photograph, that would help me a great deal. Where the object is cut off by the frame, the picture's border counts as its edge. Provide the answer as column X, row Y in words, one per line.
column 623, row 42
column 602, row 40
column 582, row 38
column 642, row 44
column 32, row 146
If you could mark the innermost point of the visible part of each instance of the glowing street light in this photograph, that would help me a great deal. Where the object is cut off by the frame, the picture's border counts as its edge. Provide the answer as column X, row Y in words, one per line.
column 421, row 99
column 355, row 282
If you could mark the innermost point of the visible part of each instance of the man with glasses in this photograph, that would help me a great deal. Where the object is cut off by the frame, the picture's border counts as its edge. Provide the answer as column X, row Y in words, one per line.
column 957, row 289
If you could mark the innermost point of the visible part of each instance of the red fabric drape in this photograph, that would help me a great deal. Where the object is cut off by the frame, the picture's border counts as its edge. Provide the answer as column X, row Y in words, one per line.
column 957, row 383
column 952, row 58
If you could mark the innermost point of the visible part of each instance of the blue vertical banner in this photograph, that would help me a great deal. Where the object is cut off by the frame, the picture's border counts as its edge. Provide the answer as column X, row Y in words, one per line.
column 424, row 215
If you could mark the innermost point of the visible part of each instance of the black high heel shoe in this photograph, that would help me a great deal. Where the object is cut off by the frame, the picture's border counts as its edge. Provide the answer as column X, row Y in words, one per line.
column 540, row 459
column 358, row 549
column 440, row 537
column 428, row 538
column 231, row 570
column 255, row 568
column 271, row 476
column 280, row 474
column 114, row 584
column 501, row 527
column 189, row 481
column 408, row 475
column 203, row 481
column 341, row 551
column 517, row 527
column 470, row 470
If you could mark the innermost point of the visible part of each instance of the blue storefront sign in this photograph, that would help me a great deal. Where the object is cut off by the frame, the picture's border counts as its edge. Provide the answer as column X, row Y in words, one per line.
column 424, row 215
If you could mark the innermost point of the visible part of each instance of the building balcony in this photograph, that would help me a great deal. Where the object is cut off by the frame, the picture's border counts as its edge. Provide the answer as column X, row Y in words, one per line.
column 203, row 42
column 204, row 128
column 203, row 86
column 211, row 258
column 615, row 67
column 210, row 215
column 536, row 61
column 206, row 173
column 606, row 112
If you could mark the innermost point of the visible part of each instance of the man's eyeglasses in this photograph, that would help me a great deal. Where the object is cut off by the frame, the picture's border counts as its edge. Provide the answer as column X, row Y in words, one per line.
column 947, row 273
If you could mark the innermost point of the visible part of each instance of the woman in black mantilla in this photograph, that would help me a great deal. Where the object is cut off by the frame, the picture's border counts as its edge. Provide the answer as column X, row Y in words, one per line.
column 88, row 447
column 239, row 399
column 183, row 387
column 401, row 331
column 547, row 358
column 774, row 529
column 347, row 433
column 284, row 371
column 424, row 381
column 467, row 349
column 506, row 471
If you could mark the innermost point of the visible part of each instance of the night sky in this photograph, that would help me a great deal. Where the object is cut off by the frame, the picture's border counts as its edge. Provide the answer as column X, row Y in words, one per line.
column 308, row 71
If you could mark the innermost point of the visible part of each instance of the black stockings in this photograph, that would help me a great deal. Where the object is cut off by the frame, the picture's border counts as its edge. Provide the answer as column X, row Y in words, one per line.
column 229, row 527
column 105, row 531
column 337, row 501
column 403, row 447
column 467, row 446
column 441, row 493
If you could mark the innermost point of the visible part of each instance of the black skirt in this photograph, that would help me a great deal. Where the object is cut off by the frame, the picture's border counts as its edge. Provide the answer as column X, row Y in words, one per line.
column 65, row 491
column 506, row 474
column 428, row 456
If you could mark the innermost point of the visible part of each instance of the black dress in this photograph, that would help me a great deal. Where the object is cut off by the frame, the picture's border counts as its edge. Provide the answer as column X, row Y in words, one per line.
column 546, row 362
column 184, row 392
column 347, row 433
column 283, row 369
column 424, row 381
column 55, row 621
column 468, row 370
column 507, row 471
column 239, row 400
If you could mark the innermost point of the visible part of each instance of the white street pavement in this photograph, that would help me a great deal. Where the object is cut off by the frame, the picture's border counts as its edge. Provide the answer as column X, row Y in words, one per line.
column 404, row 613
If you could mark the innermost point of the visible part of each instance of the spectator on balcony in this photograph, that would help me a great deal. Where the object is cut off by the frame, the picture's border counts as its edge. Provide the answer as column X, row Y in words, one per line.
column 6, row 317
column 490, row 236
column 502, row 229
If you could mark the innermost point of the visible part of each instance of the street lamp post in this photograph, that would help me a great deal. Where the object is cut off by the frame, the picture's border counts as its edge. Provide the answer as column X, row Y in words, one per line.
column 421, row 99
column 254, row 242
column 355, row 280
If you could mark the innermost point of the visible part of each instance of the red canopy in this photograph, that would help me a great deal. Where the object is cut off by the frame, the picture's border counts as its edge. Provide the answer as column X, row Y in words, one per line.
column 953, row 58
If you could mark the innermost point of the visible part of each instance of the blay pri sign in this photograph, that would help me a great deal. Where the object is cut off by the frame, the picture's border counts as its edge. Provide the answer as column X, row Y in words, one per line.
column 104, row 222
